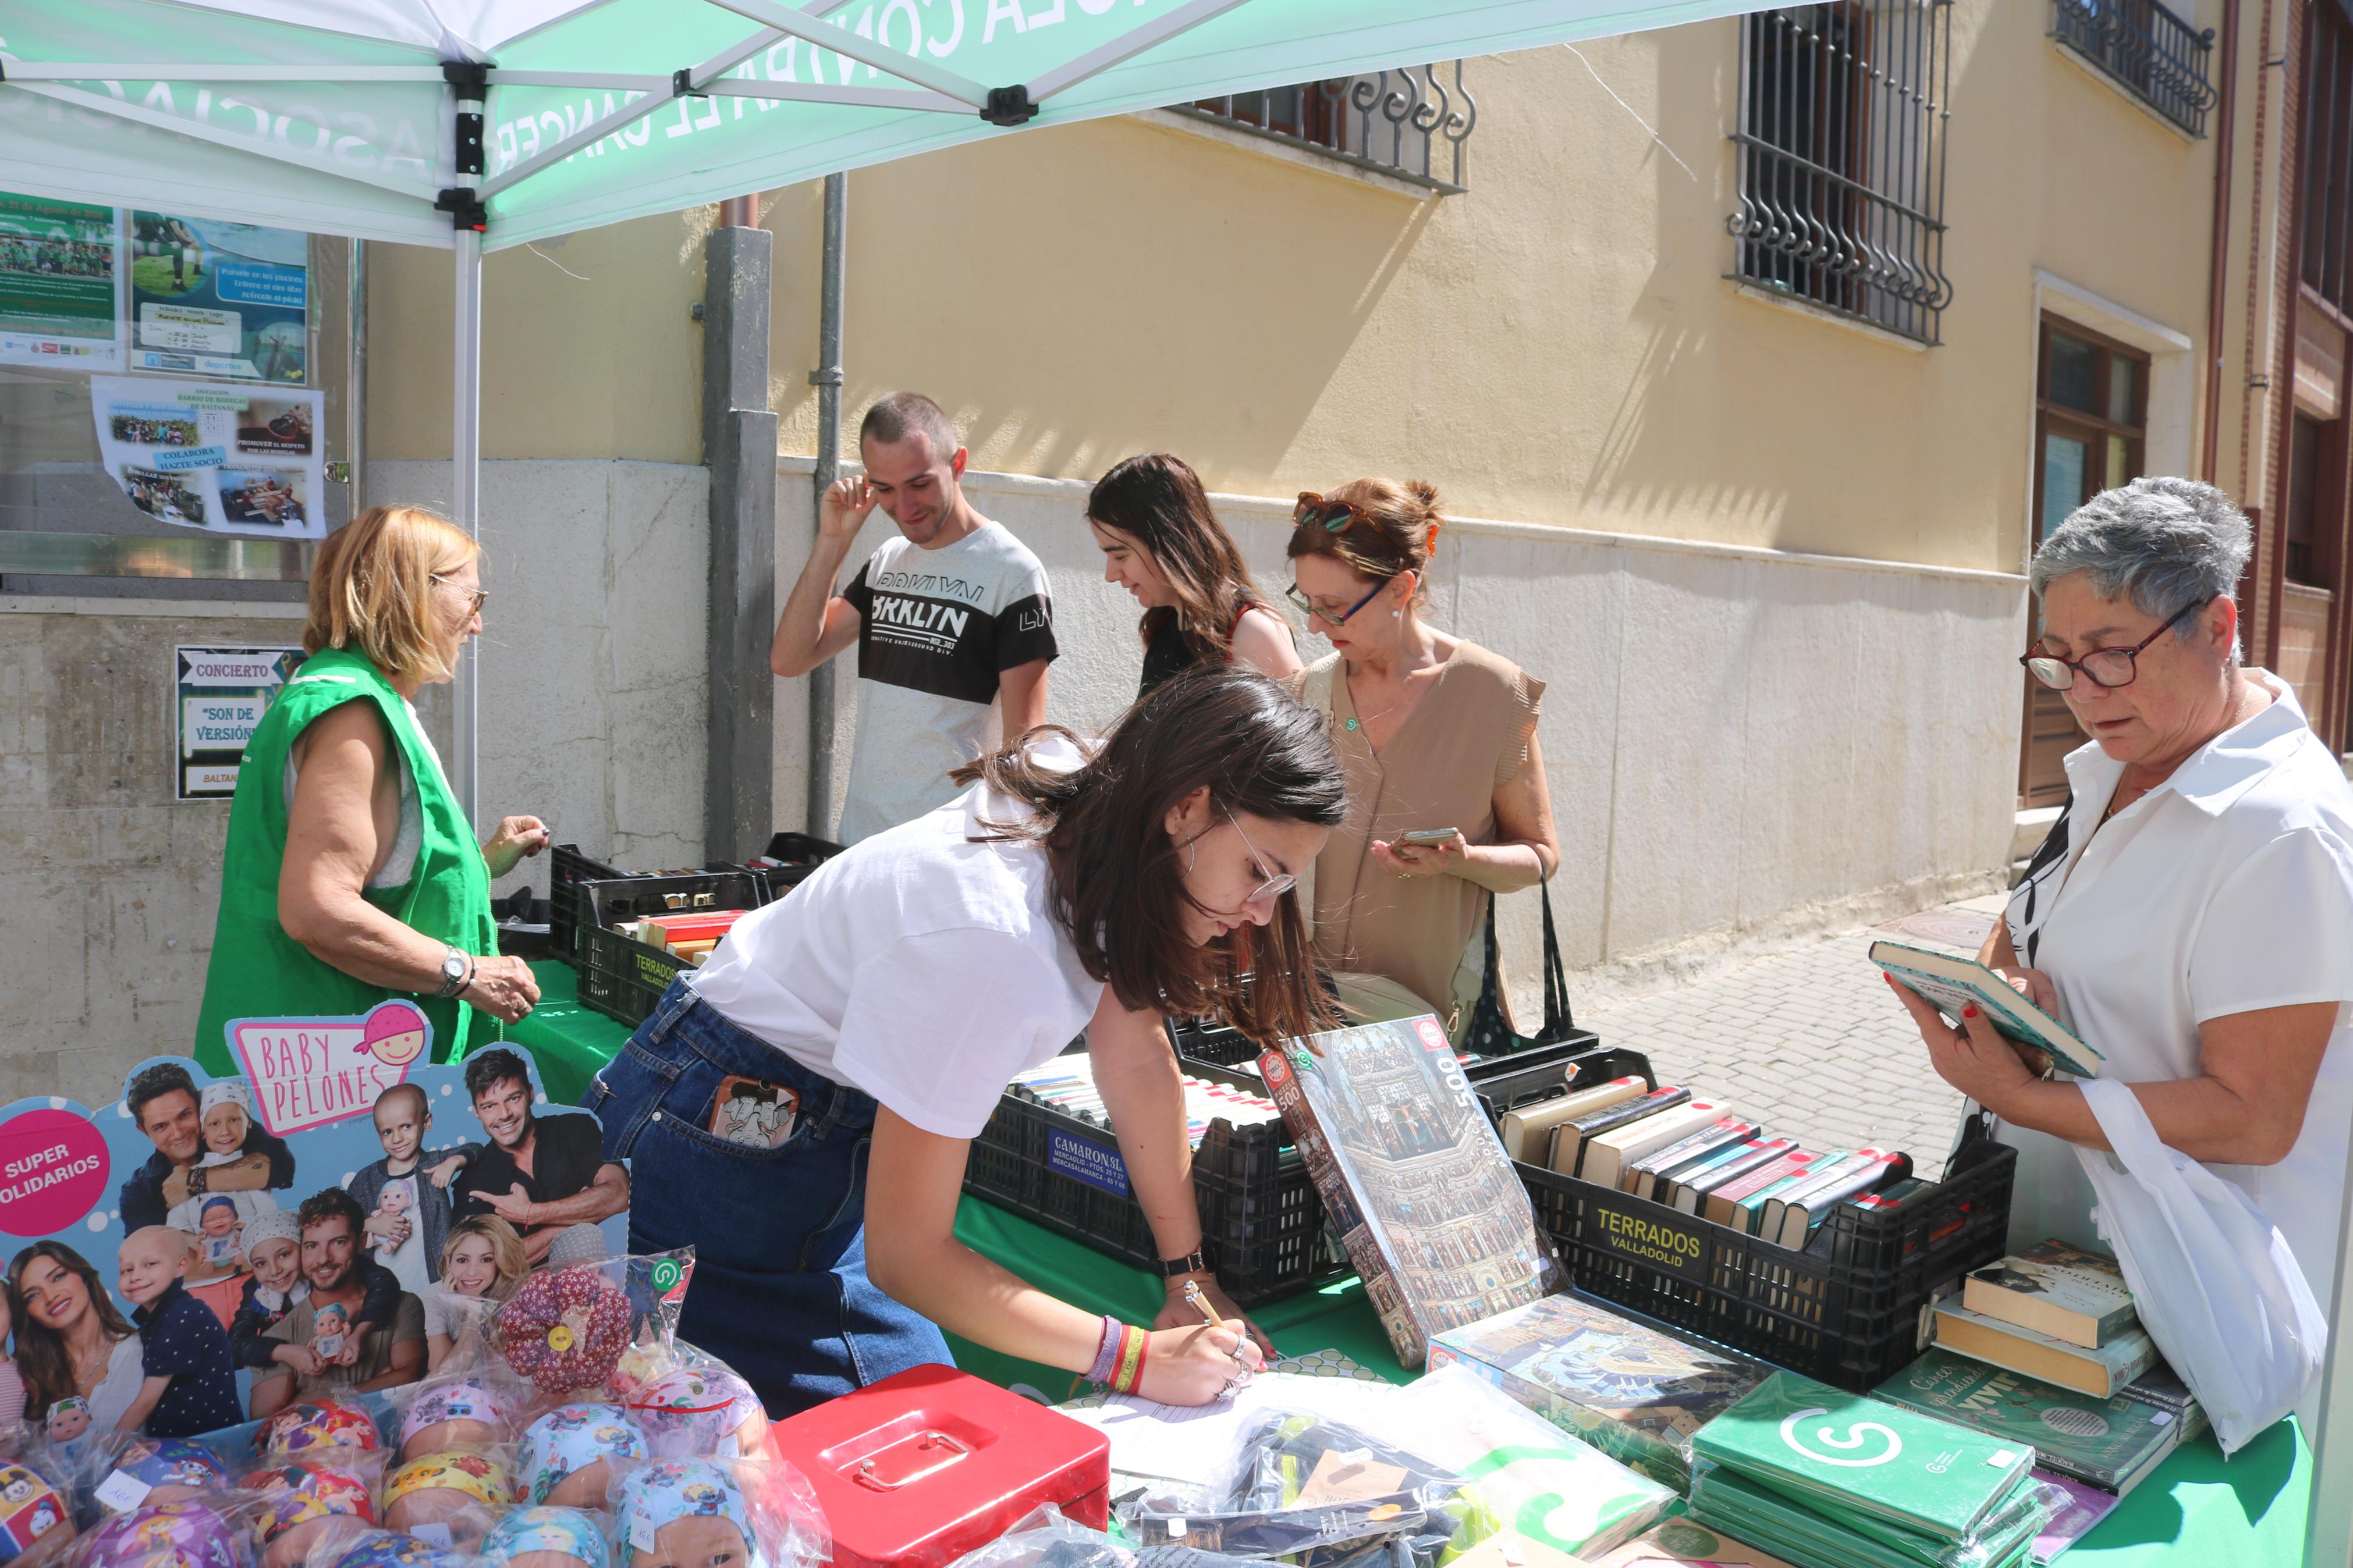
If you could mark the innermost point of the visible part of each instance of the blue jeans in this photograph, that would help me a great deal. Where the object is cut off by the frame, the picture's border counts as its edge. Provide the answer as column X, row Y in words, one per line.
column 780, row 1291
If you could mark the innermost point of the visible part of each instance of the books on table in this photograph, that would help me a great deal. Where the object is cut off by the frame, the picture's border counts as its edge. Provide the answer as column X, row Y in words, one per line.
column 1527, row 1133
column 1723, row 1203
column 1604, row 1157
column 2054, row 1288
column 1568, row 1139
column 2099, row 1371
column 2085, row 1507
column 1952, row 983
column 1647, row 1176
column 1792, row 1216
column 1634, row 1393
column 1825, row 1448
column 1679, row 1543
column 1412, row 1175
column 2109, row 1443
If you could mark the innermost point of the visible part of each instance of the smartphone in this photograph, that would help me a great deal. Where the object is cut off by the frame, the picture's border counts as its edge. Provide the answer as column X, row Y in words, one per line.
column 1428, row 835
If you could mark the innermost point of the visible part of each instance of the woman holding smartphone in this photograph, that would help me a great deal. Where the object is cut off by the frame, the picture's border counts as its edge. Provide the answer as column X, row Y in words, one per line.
column 1163, row 544
column 882, row 1007
column 1446, row 784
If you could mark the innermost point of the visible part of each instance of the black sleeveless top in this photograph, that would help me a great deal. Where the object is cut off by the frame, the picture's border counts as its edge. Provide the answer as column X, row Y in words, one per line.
column 1166, row 654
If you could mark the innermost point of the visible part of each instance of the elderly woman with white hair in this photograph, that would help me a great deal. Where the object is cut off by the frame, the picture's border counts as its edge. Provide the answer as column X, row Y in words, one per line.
column 2192, row 914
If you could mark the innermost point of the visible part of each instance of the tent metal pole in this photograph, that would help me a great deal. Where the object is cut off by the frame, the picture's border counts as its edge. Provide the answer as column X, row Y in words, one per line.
column 827, row 378
column 1148, row 35
column 466, row 495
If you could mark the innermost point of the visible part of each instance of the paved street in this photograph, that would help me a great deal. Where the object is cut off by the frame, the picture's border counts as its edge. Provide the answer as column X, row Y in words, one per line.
column 1809, row 1041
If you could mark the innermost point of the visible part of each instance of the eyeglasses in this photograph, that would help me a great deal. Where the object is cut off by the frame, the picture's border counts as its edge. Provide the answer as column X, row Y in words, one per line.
column 2108, row 667
column 478, row 595
column 1311, row 608
column 1273, row 886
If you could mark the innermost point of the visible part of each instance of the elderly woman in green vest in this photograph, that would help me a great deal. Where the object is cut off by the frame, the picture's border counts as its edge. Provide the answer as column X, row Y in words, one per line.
column 352, row 873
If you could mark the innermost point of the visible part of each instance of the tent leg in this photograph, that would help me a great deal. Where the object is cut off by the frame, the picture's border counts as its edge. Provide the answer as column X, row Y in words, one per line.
column 827, row 378
column 466, row 493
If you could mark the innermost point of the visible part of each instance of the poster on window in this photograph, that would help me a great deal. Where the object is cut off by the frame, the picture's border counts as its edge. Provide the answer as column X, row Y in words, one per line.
column 60, row 284
column 224, row 300
column 228, row 459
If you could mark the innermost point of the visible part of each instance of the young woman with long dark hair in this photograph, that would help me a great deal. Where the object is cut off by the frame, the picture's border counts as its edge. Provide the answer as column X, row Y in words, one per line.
column 1163, row 542
column 882, row 1007
column 71, row 1340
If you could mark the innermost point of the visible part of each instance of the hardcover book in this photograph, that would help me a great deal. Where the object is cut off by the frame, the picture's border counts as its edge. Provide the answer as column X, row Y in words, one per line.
column 1722, row 1204
column 2097, row 1371
column 1691, row 1189
column 1428, row 1207
column 1636, row 1393
column 1952, row 983
column 1822, row 1446
column 2085, row 1507
column 1803, row 1212
column 2053, row 1289
column 1830, row 1537
column 1687, row 1543
column 1527, row 1132
column 1568, row 1141
column 2109, row 1443
column 1606, row 1155
column 1647, row 1175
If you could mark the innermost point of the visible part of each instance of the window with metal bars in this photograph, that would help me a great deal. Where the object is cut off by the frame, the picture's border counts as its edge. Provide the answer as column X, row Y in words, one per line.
column 2327, row 202
column 2146, row 49
column 1841, row 158
column 1410, row 124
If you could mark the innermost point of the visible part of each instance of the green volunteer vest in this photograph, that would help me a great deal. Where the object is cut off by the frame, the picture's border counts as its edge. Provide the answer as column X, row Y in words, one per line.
column 257, row 970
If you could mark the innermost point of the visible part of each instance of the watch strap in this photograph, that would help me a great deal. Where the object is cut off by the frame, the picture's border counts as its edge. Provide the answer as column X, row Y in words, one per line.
column 1194, row 1262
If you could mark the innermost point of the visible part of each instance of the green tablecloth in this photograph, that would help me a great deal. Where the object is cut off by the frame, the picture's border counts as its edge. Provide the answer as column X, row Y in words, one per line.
column 2194, row 1512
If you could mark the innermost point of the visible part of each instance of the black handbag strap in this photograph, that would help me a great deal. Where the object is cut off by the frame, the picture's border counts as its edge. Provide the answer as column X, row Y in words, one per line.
column 1558, row 1019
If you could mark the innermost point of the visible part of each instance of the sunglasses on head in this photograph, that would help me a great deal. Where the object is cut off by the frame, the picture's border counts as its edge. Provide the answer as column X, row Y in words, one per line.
column 1331, row 516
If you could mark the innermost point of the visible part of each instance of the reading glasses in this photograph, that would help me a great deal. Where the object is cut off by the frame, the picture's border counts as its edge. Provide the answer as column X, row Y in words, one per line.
column 2108, row 667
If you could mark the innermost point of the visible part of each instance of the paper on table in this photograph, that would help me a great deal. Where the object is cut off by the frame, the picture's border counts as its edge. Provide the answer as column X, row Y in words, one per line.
column 1178, row 1443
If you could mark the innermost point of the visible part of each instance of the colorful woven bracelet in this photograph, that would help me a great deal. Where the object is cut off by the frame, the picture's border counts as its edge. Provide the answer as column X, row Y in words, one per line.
column 1128, row 1371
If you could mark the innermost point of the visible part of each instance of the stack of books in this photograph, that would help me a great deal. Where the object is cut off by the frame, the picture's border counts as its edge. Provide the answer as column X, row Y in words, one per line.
column 2111, row 1444
column 1638, row 1395
column 1692, row 1152
column 1822, row 1477
column 2056, row 1313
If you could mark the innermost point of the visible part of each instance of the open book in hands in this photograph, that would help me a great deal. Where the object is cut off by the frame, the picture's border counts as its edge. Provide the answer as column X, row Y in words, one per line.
column 1952, row 983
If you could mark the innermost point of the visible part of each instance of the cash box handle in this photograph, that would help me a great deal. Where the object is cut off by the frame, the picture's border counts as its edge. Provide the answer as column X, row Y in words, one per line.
column 867, row 1474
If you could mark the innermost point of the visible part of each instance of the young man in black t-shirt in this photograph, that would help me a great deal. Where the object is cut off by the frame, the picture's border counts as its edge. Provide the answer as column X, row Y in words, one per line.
column 540, row 1174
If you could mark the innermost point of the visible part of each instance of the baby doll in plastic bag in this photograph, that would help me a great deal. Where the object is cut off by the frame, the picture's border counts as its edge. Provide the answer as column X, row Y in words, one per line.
column 442, row 1488
column 547, row 1538
column 36, row 1502
column 315, row 1424
column 717, row 1513
column 697, row 1408
column 301, row 1498
column 125, row 1471
column 473, row 1411
column 208, row 1531
column 566, row 1457
column 352, row 1544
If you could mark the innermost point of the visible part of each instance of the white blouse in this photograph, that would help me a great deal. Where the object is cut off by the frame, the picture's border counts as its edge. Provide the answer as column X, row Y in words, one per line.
column 2227, row 888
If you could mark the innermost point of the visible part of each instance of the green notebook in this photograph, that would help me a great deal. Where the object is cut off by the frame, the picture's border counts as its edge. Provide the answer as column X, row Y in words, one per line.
column 1820, row 1445
column 1765, row 1518
column 2111, row 1443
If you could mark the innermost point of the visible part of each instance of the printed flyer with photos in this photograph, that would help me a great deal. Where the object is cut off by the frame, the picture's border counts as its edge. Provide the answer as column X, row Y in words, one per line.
column 228, row 459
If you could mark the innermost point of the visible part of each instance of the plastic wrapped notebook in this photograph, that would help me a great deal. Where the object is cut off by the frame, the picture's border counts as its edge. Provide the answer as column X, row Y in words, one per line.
column 1757, row 1513
column 1428, row 1204
column 1829, row 1449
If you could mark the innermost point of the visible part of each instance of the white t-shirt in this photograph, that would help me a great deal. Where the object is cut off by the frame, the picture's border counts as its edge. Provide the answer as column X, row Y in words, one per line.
column 937, row 628
column 2227, row 888
column 921, row 967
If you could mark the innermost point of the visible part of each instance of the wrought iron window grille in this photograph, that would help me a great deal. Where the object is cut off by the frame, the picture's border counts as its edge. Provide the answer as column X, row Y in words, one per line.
column 1409, row 124
column 1841, row 146
column 2146, row 50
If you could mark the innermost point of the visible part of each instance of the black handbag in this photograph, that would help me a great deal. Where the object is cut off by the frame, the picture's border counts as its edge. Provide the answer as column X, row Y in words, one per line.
column 1491, row 1032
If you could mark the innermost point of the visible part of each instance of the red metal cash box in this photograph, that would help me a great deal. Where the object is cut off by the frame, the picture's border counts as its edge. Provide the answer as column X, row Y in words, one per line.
column 919, row 1469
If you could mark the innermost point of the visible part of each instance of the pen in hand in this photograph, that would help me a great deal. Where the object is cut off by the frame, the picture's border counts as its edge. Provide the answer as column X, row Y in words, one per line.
column 1200, row 1304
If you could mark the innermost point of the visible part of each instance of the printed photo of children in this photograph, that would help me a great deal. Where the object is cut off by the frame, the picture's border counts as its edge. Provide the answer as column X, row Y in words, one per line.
column 190, row 1382
column 218, row 1220
column 405, row 1196
column 167, row 497
column 154, row 427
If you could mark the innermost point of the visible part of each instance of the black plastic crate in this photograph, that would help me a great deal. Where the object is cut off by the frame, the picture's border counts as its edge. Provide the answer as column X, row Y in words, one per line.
column 568, row 869
column 622, row 977
column 801, row 855
column 1850, row 1310
column 1260, row 1215
column 1540, row 1072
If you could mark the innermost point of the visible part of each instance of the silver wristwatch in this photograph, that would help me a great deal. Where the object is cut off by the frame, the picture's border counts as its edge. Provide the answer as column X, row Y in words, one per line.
column 457, row 968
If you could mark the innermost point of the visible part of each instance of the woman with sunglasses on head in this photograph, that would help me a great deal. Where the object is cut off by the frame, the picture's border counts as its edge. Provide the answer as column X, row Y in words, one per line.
column 882, row 1009
column 352, row 874
column 1446, row 784
column 1162, row 543
column 2191, row 915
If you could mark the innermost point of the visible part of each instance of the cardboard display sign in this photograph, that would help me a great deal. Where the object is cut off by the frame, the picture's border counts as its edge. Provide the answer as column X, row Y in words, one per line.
column 301, row 1120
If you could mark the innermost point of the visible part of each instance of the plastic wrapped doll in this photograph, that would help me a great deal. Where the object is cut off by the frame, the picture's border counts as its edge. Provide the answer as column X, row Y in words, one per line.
column 469, row 1413
column 566, row 1456
column 699, row 1411
column 170, row 1469
column 301, row 1499
column 184, row 1534
column 36, row 1521
column 684, row 1513
column 317, row 1424
column 358, row 1546
column 439, row 1487
column 547, row 1538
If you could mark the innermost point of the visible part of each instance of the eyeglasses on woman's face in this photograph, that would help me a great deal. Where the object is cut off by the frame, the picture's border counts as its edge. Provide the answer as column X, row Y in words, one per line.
column 1276, row 885
column 1325, row 612
column 476, row 597
column 2106, row 668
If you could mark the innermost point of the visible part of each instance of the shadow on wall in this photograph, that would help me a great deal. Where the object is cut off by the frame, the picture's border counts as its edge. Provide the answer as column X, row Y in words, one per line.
column 1207, row 310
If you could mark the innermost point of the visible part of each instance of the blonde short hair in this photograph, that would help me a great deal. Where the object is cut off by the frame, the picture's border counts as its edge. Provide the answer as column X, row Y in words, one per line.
column 372, row 588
